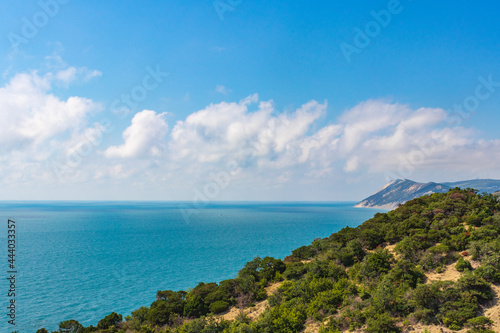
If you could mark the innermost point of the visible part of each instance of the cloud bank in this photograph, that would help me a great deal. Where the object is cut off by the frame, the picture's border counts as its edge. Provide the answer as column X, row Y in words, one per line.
column 49, row 142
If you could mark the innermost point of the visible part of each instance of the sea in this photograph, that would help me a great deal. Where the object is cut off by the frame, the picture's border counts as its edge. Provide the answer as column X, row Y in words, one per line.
column 84, row 260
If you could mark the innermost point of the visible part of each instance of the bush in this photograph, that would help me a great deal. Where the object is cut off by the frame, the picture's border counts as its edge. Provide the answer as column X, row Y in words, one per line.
column 285, row 318
column 440, row 269
column 382, row 324
column 295, row 270
column 377, row 263
column 480, row 323
column 218, row 307
column 463, row 264
column 71, row 326
column 303, row 252
column 490, row 269
column 475, row 286
column 110, row 320
column 195, row 307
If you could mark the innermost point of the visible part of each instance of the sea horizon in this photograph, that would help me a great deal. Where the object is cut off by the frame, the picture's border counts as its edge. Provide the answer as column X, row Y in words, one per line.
column 80, row 260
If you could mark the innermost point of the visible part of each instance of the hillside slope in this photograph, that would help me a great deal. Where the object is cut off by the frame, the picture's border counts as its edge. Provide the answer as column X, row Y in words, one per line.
column 482, row 185
column 432, row 263
column 400, row 191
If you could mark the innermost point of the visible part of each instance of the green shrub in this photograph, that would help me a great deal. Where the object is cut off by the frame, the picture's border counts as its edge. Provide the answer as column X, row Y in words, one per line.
column 295, row 270
column 71, row 326
column 440, row 269
column 303, row 252
column 381, row 324
column 376, row 263
column 218, row 307
column 110, row 320
column 490, row 268
column 463, row 264
column 147, row 329
column 480, row 323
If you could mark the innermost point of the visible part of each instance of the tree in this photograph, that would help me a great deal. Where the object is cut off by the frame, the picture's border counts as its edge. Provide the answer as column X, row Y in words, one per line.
column 159, row 313
column 140, row 314
column 195, row 307
column 378, row 262
column 70, row 326
column 110, row 320
column 176, row 300
column 269, row 267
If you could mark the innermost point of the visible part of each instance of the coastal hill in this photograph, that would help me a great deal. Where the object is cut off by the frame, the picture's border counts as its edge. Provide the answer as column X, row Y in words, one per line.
column 430, row 265
column 402, row 190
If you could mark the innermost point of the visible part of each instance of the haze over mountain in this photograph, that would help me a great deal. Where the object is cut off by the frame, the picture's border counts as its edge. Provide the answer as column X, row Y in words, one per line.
column 400, row 191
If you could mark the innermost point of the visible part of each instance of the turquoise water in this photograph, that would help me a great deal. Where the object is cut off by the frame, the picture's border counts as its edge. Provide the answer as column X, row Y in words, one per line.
column 83, row 260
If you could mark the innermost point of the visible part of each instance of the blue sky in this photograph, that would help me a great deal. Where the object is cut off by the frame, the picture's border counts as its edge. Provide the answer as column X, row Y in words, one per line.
column 406, row 81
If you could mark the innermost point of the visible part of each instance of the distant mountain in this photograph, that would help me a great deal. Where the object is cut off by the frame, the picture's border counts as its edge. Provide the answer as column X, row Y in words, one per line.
column 497, row 193
column 399, row 191
column 402, row 190
column 483, row 185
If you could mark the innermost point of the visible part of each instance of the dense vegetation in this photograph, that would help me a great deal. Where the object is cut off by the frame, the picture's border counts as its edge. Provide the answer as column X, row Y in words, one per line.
column 352, row 279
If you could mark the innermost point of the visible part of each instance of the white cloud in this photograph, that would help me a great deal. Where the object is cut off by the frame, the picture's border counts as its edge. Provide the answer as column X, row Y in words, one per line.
column 222, row 90
column 64, row 73
column 30, row 114
column 230, row 130
column 71, row 74
column 367, row 118
column 143, row 138
column 67, row 75
column 351, row 164
column 270, row 152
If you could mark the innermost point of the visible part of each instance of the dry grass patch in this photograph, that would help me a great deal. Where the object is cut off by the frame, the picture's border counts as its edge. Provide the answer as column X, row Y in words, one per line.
column 255, row 311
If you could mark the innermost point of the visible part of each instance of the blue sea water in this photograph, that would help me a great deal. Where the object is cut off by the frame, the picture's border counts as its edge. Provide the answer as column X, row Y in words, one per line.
column 84, row 260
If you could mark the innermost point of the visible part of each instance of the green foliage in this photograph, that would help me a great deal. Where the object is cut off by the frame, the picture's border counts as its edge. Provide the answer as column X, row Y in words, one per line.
column 71, row 326
column 110, row 320
column 490, row 268
column 452, row 304
column 285, row 318
column 479, row 323
column 42, row 330
column 218, row 307
column 303, row 252
column 147, row 329
column 463, row 265
column 350, row 278
column 195, row 307
column 203, row 325
column 295, row 270
column 376, row 263
column 381, row 324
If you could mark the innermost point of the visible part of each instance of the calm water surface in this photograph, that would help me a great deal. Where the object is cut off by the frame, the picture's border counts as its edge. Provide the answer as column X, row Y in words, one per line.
column 84, row 260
